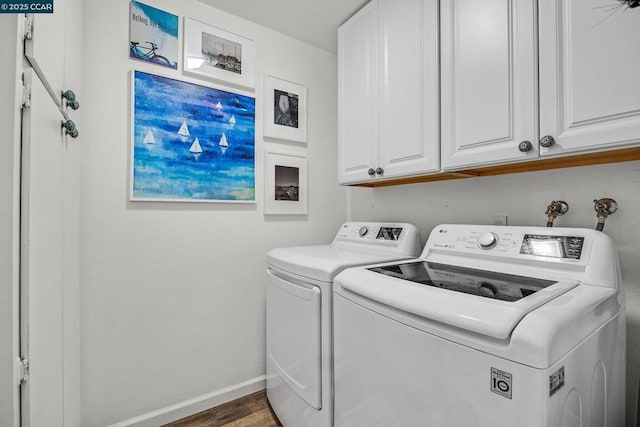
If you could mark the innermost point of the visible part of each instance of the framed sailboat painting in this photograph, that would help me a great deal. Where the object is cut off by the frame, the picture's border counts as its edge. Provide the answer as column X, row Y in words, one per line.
column 190, row 143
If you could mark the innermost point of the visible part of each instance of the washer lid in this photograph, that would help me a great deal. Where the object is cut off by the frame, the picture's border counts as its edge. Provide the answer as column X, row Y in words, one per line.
column 324, row 262
column 485, row 302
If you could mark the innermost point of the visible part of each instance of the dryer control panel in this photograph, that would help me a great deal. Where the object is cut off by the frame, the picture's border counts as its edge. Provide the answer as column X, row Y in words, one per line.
column 402, row 237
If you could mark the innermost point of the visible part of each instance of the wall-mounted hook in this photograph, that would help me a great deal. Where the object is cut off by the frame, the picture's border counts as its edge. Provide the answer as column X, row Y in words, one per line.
column 72, row 101
column 70, row 128
column 555, row 209
column 604, row 207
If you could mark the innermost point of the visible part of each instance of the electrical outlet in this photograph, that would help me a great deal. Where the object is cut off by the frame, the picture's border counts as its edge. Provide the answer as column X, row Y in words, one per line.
column 499, row 219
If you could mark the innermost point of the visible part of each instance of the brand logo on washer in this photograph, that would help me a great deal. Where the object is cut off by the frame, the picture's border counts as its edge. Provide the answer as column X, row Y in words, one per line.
column 501, row 382
column 556, row 381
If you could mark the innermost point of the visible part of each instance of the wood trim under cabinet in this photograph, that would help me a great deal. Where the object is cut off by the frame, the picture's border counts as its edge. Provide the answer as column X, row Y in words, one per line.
column 602, row 157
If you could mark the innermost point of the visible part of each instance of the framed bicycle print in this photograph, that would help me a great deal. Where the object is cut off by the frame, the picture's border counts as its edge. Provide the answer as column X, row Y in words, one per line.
column 286, row 189
column 285, row 110
column 153, row 35
column 218, row 54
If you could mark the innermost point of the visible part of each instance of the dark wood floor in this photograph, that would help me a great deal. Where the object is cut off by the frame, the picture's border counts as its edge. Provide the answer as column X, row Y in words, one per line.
column 249, row 411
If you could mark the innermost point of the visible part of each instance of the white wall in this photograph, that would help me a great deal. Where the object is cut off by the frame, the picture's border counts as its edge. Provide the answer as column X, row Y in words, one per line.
column 172, row 301
column 524, row 197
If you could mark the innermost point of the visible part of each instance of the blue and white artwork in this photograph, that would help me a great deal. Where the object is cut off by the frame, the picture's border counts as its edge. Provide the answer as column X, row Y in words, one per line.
column 191, row 142
column 153, row 35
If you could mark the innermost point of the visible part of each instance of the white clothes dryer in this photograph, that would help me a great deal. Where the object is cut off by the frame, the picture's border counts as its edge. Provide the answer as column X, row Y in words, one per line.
column 491, row 326
column 299, row 293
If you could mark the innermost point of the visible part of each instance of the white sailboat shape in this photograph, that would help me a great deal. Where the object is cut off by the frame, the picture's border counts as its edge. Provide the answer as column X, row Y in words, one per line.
column 232, row 120
column 224, row 144
column 219, row 106
column 195, row 147
column 149, row 138
column 184, row 129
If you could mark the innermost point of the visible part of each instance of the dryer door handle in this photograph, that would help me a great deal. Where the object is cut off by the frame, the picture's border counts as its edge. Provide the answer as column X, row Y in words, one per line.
column 296, row 289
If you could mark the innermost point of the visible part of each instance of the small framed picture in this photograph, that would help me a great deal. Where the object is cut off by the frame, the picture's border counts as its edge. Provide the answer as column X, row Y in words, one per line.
column 285, row 110
column 286, row 189
column 218, row 54
column 153, row 35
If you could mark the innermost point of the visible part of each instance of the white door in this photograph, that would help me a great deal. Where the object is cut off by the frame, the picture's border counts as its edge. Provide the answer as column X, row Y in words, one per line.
column 408, row 140
column 488, row 74
column 42, row 247
column 358, row 96
column 10, row 116
column 45, row 48
column 589, row 68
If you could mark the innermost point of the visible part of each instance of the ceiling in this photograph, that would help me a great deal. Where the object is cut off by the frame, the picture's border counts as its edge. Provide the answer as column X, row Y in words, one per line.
column 313, row 21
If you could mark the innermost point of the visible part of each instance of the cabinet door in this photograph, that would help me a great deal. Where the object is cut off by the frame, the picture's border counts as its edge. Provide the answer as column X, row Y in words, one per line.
column 408, row 140
column 358, row 95
column 488, row 82
column 589, row 68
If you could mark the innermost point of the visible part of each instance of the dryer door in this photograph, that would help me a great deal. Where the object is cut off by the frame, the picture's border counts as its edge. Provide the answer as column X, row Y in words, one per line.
column 293, row 336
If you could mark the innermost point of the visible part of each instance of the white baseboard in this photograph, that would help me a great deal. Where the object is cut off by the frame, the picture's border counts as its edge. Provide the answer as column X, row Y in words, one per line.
column 195, row 405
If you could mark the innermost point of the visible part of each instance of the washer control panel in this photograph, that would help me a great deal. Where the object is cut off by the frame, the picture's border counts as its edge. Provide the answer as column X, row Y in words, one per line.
column 512, row 241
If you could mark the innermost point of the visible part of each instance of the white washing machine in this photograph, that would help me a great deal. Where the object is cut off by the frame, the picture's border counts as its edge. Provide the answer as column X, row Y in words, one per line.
column 491, row 326
column 299, row 290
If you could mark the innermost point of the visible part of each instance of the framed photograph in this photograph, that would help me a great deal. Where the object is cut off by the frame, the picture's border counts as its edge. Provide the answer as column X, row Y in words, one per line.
column 286, row 189
column 190, row 143
column 285, row 110
column 218, row 54
column 153, row 35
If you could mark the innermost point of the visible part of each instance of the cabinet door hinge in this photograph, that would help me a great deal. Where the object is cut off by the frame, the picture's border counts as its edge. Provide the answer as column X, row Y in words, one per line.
column 28, row 27
column 23, row 370
column 26, row 96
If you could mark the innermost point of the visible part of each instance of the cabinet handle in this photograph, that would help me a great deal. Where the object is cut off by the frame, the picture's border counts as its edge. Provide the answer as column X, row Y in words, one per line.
column 525, row 146
column 547, row 141
column 379, row 171
column 371, row 172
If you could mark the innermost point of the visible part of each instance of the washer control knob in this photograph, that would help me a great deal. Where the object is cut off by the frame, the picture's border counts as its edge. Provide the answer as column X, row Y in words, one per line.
column 487, row 240
column 363, row 231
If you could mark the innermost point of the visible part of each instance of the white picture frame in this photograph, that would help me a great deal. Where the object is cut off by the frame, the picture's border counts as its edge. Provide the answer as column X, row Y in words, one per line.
column 218, row 54
column 177, row 154
column 285, row 110
column 286, row 184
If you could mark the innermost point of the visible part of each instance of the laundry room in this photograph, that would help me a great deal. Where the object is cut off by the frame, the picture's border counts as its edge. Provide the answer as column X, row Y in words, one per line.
column 160, row 308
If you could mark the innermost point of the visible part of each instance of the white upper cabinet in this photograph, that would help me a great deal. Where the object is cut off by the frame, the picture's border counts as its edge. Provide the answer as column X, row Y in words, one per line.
column 358, row 94
column 507, row 81
column 589, row 75
column 388, row 91
column 489, row 97
column 408, row 125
